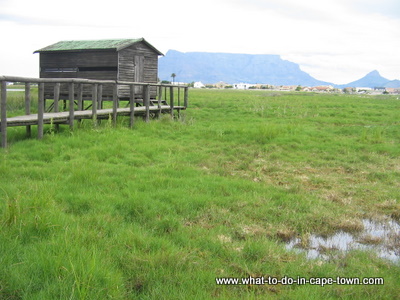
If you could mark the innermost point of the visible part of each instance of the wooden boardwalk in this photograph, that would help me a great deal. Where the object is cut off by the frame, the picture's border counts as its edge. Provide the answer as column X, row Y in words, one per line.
column 63, row 117
column 138, row 105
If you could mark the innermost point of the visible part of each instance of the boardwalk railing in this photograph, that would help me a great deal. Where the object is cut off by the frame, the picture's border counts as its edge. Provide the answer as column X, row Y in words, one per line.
column 139, row 102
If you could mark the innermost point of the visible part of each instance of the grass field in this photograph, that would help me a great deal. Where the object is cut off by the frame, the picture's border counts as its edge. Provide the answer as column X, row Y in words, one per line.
column 161, row 210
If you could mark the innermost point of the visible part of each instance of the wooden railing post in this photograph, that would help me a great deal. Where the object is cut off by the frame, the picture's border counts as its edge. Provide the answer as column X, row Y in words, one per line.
column 115, row 103
column 179, row 102
column 159, row 94
column 179, row 96
column 94, row 103
column 99, row 100
column 56, row 101
column 100, row 96
column 71, row 105
column 28, row 106
column 40, row 110
column 159, row 101
column 80, row 96
column 56, row 97
column 3, row 108
column 171, row 100
column 147, row 101
column 132, row 105
column 186, row 97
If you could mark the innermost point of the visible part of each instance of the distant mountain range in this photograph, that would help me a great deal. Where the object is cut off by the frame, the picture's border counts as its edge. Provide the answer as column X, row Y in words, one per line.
column 248, row 68
column 373, row 79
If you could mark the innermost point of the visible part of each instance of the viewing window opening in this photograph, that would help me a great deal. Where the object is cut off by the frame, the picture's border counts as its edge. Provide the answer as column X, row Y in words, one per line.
column 80, row 69
column 97, row 69
column 60, row 70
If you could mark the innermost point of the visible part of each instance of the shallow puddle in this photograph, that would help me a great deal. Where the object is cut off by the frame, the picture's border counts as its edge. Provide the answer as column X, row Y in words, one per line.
column 381, row 237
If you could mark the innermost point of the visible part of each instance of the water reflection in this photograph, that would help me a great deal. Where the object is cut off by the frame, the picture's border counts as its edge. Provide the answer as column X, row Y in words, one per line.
column 381, row 237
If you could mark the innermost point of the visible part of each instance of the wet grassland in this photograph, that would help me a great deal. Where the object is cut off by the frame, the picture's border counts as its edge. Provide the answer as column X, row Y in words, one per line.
column 159, row 211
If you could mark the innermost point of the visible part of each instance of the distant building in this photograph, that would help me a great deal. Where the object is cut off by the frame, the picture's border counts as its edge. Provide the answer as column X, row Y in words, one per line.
column 348, row 90
column 242, row 86
column 379, row 89
column 363, row 90
column 198, row 85
column 393, row 90
column 263, row 86
column 323, row 89
column 287, row 87
column 221, row 85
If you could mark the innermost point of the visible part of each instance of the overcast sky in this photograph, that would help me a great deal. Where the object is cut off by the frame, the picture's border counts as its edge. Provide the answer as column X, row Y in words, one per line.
column 333, row 40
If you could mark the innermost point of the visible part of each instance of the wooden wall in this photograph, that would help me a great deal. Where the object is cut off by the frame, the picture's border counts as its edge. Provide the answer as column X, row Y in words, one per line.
column 101, row 65
column 106, row 58
column 137, row 63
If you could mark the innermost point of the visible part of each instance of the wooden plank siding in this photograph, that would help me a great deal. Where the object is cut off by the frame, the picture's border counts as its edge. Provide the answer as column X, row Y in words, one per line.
column 136, row 63
column 87, row 64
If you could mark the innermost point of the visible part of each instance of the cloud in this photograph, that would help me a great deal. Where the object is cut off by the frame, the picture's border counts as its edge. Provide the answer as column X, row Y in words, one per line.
column 28, row 20
column 389, row 8
column 337, row 40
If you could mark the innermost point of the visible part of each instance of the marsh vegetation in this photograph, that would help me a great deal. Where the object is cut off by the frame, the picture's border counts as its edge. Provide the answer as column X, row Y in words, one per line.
column 159, row 211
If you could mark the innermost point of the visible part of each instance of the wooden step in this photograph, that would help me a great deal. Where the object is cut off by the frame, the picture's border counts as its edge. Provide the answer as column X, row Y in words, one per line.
column 155, row 102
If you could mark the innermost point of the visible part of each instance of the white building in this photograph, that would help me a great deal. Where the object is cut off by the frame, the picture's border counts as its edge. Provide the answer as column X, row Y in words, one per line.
column 242, row 86
column 198, row 85
column 363, row 90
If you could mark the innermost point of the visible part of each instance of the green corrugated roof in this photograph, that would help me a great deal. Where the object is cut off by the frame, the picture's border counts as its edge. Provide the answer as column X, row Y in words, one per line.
column 117, row 44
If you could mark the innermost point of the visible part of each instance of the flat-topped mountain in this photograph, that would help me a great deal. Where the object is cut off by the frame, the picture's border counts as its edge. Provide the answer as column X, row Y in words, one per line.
column 233, row 68
column 249, row 68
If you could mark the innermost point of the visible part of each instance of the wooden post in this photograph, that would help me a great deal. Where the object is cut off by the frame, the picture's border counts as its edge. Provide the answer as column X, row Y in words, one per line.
column 160, row 92
column 71, row 105
column 179, row 102
column 159, row 107
column 147, row 101
column 115, row 104
column 40, row 110
column 80, row 96
column 56, row 97
column 28, row 106
column 171, row 100
column 179, row 96
column 132, row 105
column 94, row 103
column 80, row 99
column 100, row 96
column 159, row 101
column 3, row 108
column 186, row 97
column 99, row 100
column 56, row 102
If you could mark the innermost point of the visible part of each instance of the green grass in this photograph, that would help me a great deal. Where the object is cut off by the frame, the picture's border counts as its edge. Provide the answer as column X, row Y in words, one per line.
column 159, row 211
